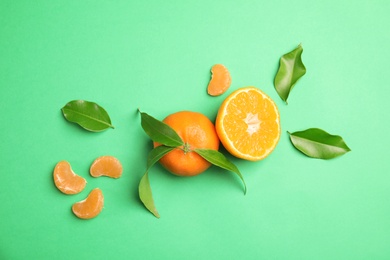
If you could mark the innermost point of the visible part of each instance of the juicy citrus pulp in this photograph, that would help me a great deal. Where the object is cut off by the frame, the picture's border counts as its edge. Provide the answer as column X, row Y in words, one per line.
column 66, row 180
column 106, row 166
column 248, row 124
column 91, row 206
column 220, row 80
column 197, row 131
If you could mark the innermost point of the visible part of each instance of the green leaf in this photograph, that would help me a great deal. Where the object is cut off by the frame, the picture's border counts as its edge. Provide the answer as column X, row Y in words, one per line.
column 291, row 69
column 144, row 189
column 218, row 159
column 88, row 115
column 145, row 195
column 319, row 144
column 159, row 131
column 156, row 154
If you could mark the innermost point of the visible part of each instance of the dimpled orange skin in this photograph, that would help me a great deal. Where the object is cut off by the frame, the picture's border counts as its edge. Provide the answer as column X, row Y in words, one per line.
column 197, row 131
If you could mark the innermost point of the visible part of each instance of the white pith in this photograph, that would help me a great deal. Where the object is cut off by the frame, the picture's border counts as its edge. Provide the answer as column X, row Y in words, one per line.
column 253, row 122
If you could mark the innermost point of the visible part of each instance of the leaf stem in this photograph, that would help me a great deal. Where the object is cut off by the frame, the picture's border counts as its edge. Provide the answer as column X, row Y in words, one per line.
column 186, row 148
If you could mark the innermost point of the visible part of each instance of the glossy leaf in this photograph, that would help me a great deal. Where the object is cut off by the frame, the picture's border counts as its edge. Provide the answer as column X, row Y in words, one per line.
column 218, row 159
column 319, row 144
column 144, row 189
column 88, row 115
column 156, row 154
column 145, row 195
column 160, row 132
column 291, row 69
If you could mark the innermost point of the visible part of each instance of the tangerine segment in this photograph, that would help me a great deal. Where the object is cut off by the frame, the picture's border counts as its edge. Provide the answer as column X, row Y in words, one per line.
column 248, row 124
column 66, row 180
column 91, row 206
column 197, row 131
column 106, row 166
column 220, row 80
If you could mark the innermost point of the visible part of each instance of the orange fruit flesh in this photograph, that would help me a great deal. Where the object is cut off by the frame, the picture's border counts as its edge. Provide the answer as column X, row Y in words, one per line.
column 220, row 80
column 248, row 124
column 91, row 206
column 106, row 166
column 197, row 131
column 66, row 180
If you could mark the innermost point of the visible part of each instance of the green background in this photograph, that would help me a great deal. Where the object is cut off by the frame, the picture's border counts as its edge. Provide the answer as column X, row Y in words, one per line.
column 156, row 56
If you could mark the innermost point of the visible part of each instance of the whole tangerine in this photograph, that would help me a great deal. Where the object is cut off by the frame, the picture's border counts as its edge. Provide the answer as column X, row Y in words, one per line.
column 196, row 131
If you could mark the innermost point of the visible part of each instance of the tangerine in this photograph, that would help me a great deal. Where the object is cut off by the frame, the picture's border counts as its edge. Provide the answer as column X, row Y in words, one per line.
column 66, row 180
column 220, row 80
column 106, row 166
column 248, row 124
column 91, row 206
column 196, row 131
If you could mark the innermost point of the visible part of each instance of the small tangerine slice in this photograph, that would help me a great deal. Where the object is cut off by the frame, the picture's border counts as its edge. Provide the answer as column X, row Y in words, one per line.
column 220, row 80
column 248, row 124
column 91, row 206
column 66, row 180
column 106, row 166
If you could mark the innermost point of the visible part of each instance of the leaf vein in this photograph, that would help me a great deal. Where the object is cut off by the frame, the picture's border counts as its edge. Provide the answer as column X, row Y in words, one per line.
column 89, row 117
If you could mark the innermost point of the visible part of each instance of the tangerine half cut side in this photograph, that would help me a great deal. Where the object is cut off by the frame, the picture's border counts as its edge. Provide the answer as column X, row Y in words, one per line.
column 91, row 206
column 66, row 180
column 106, row 166
column 248, row 124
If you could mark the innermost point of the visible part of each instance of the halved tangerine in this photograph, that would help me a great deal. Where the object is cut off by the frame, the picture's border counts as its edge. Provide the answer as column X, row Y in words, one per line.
column 220, row 80
column 248, row 124
column 66, row 180
column 106, row 166
column 91, row 206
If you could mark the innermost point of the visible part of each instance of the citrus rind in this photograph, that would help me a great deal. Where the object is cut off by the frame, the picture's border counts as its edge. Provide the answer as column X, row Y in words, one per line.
column 237, row 135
